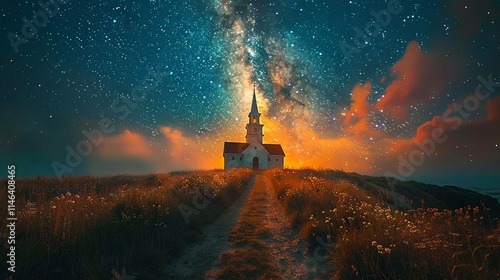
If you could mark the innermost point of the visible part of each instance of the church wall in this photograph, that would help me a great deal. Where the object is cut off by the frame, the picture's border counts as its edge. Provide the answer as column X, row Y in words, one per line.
column 229, row 162
column 251, row 153
column 275, row 161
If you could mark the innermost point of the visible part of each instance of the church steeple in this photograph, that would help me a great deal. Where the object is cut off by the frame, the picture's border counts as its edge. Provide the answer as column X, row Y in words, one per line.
column 254, row 128
column 254, row 110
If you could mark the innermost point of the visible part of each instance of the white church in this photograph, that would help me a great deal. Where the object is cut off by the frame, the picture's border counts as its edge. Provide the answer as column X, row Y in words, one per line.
column 254, row 153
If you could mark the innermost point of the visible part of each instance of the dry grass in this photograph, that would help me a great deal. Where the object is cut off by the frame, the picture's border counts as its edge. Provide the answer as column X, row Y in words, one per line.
column 253, row 260
column 374, row 240
column 84, row 226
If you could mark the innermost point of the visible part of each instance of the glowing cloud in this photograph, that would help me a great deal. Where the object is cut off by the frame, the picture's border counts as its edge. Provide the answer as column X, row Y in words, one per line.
column 418, row 78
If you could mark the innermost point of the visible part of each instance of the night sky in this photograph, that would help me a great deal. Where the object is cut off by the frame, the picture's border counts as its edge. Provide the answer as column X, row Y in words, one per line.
column 174, row 80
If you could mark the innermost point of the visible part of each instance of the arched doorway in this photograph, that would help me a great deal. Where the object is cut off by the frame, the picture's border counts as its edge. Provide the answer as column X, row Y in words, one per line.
column 255, row 163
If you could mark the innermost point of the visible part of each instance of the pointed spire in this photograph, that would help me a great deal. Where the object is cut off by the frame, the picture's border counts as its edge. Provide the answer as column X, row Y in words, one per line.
column 254, row 110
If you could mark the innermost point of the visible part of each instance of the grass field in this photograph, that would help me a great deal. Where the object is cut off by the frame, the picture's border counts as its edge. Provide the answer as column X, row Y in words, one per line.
column 93, row 227
column 85, row 227
column 372, row 237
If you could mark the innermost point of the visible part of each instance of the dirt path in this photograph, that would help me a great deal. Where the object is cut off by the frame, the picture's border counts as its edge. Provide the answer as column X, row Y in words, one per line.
column 287, row 250
column 199, row 258
column 262, row 239
column 252, row 239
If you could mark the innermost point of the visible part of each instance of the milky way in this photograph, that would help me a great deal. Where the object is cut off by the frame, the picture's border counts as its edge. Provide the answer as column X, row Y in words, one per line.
column 362, row 111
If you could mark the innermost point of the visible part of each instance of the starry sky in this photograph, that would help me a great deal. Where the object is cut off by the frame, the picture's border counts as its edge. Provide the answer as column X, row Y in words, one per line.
column 352, row 85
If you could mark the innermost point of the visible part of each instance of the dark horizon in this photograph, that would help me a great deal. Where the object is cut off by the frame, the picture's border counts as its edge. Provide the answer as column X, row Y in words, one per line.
column 488, row 184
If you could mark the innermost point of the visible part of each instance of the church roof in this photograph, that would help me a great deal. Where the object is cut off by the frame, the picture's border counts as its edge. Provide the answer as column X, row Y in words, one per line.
column 274, row 149
column 235, row 147
column 238, row 148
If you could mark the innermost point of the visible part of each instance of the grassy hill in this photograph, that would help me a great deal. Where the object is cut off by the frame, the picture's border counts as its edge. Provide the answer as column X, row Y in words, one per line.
column 365, row 227
column 372, row 228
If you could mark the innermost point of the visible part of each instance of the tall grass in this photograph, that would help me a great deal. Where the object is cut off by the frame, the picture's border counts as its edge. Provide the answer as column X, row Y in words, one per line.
column 376, row 240
column 84, row 227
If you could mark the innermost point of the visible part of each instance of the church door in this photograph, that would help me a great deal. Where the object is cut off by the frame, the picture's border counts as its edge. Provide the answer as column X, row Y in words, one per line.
column 255, row 163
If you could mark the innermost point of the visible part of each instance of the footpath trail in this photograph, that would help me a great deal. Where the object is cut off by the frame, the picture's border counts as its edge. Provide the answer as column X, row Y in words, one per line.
column 287, row 249
column 252, row 240
column 199, row 258
column 263, row 244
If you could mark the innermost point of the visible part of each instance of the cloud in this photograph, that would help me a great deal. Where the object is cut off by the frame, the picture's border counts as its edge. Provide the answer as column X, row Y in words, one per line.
column 426, row 130
column 467, row 147
column 418, row 78
column 464, row 131
column 131, row 152
column 357, row 120
column 360, row 106
column 127, row 144
column 175, row 142
column 493, row 109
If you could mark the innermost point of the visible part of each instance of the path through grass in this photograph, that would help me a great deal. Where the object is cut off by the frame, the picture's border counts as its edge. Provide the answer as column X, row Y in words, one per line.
column 198, row 258
column 264, row 247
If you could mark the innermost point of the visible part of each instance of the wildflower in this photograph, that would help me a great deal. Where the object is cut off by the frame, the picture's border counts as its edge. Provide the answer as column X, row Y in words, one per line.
column 374, row 243
column 380, row 247
column 388, row 250
column 53, row 207
column 354, row 270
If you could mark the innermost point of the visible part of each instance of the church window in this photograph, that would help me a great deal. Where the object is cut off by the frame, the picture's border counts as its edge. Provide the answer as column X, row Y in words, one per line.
column 254, row 120
column 255, row 147
column 269, row 159
column 233, row 158
column 276, row 159
column 241, row 158
column 255, row 130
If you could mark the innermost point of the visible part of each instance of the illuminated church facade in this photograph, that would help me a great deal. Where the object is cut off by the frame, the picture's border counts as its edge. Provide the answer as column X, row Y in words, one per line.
column 254, row 153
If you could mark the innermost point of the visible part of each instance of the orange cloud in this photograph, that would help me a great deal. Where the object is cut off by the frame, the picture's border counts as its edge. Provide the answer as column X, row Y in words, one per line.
column 357, row 119
column 127, row 144
column 493, row 108
column 131, row 152
column 360, row 107
column 176, row 142
column 426, row 130
column 468, row 147
column 419, row 77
